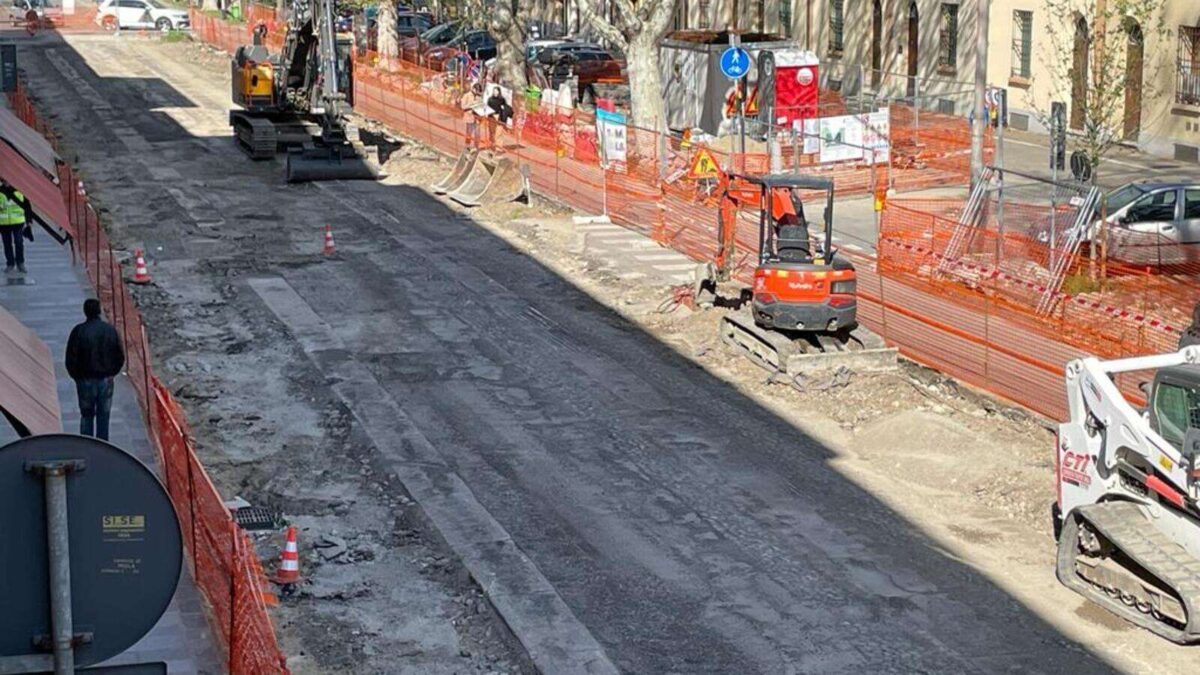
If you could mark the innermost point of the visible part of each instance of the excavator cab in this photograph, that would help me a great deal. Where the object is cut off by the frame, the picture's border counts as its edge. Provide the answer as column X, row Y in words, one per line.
column 802, row 314
column 799, row 284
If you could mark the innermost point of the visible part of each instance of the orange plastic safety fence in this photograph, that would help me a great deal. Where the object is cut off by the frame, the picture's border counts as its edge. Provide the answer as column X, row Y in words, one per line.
column 220, row 554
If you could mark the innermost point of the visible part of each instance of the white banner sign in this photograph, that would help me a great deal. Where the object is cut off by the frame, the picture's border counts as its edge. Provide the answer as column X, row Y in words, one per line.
column 610, row 128
column 841, row 138
column 876, row 134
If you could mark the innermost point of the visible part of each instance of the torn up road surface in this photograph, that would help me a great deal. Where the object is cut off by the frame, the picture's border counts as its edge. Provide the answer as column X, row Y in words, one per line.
column 684, row 527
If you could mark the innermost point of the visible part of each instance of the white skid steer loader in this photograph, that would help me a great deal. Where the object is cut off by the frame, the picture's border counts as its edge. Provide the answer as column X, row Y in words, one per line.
column 1128, row 505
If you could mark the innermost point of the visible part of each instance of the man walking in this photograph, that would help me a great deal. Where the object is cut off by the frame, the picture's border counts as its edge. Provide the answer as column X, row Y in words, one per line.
column 94, row 358
column 14, row 211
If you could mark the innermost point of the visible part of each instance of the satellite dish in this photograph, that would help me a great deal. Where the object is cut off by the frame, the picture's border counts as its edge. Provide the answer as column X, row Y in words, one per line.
column 124, row 546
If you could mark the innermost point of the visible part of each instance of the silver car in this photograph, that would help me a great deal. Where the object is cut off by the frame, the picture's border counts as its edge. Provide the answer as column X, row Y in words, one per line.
column 1170, row 210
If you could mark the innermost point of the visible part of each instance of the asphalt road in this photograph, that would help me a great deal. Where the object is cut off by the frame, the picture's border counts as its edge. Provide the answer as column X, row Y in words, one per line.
column 688, row 528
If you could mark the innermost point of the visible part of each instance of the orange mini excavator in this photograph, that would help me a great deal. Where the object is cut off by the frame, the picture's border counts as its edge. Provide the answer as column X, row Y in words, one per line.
column 803, row 305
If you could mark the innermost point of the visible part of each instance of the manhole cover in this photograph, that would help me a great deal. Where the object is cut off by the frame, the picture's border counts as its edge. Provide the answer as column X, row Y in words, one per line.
column 255, row 518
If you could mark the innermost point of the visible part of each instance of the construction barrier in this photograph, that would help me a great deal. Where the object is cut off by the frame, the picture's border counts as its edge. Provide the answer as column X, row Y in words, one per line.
column 983, row 332
column 220, row 555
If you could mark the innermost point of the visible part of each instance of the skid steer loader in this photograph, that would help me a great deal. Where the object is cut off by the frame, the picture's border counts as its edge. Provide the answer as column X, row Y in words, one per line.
column 1127, row 514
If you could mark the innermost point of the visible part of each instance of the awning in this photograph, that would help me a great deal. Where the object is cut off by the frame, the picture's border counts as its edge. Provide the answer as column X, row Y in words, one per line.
column 28, row 390
column 42, row 192
column 28, row 142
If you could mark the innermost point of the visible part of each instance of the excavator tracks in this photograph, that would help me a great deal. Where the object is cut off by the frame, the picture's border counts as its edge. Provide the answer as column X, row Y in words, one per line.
column 1113, row 555
column 777, row 352
column 256, row 136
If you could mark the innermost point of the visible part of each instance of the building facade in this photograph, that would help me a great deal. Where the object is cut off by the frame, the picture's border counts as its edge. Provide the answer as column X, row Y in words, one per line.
column 925, row 50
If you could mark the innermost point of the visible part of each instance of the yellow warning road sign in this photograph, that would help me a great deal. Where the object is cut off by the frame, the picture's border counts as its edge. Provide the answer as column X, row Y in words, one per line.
column 704, row 165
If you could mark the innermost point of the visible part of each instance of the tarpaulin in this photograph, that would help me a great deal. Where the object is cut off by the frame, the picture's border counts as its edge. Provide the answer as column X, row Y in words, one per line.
column 28, row 390
column 28, row 142
column 45, row 196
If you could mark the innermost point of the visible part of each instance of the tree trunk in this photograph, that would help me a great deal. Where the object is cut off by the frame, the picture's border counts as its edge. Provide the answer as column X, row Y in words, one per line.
column 280, row 10
column 510, row 46
column 387, row 41
column 645, row 82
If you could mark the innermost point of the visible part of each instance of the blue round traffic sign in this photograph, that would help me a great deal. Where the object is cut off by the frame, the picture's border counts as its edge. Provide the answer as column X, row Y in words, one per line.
column 735, row 62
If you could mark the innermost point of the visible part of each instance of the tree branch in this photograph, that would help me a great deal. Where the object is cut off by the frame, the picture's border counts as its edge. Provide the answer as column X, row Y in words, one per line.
column 601, row 25
column 629, row 15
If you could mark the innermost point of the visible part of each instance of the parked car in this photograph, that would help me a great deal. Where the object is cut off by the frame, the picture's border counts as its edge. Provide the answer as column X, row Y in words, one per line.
column 1170, row 210
column 408, row 24
column 113, row 14
column 414, row 47
column 589, row 66
column 478, row 44
column 21, row 12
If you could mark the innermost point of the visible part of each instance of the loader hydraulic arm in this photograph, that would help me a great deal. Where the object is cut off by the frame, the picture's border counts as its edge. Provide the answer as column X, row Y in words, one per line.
column 1098, row 409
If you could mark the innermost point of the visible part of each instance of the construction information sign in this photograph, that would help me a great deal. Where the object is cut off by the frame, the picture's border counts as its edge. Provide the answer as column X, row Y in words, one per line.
column 704, row 165
column 610, row 129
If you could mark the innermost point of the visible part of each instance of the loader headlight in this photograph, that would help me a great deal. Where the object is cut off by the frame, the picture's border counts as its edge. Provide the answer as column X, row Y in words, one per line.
column 846, row 287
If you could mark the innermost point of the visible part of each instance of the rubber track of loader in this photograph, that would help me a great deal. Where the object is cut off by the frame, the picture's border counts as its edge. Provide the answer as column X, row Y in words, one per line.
column 1128, row 529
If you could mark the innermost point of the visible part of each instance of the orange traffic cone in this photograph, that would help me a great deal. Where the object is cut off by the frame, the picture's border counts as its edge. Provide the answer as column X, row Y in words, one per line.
column 289, row 561
column 141, row 275
column 329, row 247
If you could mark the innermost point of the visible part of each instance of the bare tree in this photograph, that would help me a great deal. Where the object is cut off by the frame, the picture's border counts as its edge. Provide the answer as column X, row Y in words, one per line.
column 639, row 27
column 386, row 24
column 509, row 25
column 1096, row 61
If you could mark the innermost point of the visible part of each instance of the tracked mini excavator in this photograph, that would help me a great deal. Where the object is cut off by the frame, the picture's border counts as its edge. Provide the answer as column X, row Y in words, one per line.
column 291, row 101
column 803, row 308
column 1128, row 508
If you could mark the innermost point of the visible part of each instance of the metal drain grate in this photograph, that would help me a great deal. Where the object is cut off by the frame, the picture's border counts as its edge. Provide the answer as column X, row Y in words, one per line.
column 256, row 518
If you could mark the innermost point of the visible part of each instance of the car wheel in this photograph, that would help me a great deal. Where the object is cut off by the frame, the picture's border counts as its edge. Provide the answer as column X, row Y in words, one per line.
column 109, row 23
column 163, row 24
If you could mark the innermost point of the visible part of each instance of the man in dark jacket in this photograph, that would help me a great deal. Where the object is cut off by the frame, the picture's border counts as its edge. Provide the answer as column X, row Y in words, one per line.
column 94, row 358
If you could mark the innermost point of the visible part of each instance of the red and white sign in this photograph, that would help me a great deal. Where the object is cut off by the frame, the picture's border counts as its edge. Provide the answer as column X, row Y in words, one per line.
column 797, row 78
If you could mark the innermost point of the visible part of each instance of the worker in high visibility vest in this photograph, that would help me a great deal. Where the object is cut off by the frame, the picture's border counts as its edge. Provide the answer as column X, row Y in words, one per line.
column 14, row 218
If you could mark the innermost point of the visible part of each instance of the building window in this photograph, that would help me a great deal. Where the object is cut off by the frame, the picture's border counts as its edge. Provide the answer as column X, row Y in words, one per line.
column 948, row 39
column 1022, row 43
column 785, row 18
column 836, row 21
column 703, row 19
column 1187, row 89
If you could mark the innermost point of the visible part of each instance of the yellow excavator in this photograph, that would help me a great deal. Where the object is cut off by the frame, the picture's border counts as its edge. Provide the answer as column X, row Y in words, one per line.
column 292, row 101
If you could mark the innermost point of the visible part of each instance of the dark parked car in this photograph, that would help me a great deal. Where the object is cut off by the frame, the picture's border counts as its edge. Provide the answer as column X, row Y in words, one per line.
column 478, row 44
column 408, row 25
column 414, row 47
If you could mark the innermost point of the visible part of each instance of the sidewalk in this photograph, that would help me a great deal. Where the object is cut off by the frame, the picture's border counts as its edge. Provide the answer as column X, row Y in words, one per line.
column 50, row 303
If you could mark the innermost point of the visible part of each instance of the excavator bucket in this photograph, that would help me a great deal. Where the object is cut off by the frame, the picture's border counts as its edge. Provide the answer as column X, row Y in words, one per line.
column 318, row 164
column 462, row 168
column 490, row 181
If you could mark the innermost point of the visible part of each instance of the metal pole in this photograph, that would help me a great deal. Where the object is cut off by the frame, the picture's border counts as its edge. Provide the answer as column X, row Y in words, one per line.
column 1053, row 210
column 1000, row 173
column 58, row 541
column 980, row 116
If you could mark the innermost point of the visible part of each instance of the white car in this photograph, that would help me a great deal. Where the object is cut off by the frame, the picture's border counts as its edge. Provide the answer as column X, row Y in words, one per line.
column 123, row 14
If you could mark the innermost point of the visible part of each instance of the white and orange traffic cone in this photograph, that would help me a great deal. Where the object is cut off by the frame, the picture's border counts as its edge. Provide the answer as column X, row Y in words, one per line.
column 288, row 573
column 330, row 249
column 141, row 275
